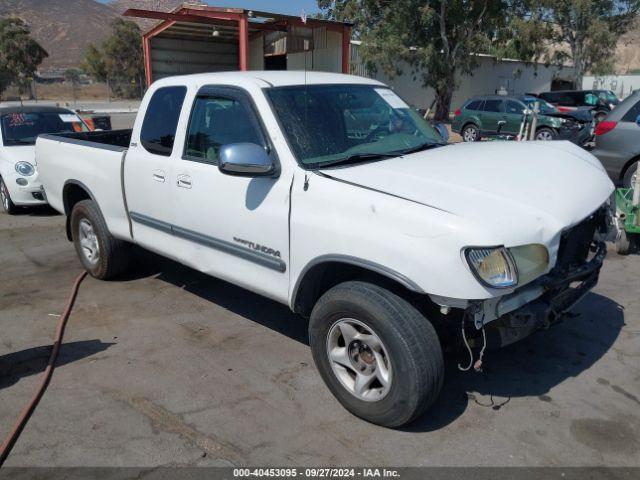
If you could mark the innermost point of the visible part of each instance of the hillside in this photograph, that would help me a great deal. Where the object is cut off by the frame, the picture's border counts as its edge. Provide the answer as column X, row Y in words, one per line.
column 63, row 27
column 628, row 51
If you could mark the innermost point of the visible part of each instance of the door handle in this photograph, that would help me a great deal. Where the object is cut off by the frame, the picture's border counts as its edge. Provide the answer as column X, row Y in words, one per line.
column 158, row 176
column 184, row 181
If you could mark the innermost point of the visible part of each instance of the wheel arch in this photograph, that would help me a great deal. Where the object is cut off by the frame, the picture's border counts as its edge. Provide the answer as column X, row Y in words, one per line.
column 326, row 271
column 627, row 165
column 74, row 191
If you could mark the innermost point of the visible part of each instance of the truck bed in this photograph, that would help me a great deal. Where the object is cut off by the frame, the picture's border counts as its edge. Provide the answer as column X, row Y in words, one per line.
column 91, row 161
column 99, row 139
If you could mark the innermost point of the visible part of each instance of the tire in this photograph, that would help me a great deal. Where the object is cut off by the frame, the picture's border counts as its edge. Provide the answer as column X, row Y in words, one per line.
column 629, row 174
column 470, row 133
column 8, row 206
column 90, row 234
column 408, row 348
column 545, row 134
column 623, row 243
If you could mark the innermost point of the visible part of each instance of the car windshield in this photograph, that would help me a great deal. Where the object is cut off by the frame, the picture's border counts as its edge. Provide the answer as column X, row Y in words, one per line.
column 609, row 97
column 22, row 128
column 545, row 107
column 336, row 124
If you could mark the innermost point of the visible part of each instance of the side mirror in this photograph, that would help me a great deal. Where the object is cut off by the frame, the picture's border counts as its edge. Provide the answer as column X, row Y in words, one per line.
column 442, row 130
column 246, row 160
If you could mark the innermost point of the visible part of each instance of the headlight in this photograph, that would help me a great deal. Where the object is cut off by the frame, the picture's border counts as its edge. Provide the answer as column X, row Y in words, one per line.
column 494, row 267
column 531, row 261
column 25, row 169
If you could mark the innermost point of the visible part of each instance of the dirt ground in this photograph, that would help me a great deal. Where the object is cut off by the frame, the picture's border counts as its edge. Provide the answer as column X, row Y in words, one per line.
column 169, row 367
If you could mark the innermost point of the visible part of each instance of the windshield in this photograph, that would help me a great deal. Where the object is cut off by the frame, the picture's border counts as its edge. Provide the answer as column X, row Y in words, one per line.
column 608, row 96
column 545, row 107
column 331, row 124
column 22, row 128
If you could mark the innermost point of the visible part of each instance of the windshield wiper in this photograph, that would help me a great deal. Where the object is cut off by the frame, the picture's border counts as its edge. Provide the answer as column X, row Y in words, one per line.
column 358, row 158
column 419, row 148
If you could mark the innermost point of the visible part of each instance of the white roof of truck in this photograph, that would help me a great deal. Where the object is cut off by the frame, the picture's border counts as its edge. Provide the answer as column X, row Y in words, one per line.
column 267, row 78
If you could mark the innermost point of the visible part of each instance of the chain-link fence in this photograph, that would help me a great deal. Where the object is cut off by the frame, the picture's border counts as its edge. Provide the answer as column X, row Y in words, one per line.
column 73, row 92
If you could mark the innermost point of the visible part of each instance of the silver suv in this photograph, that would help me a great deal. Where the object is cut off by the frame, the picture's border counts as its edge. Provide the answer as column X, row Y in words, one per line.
column 618, row 140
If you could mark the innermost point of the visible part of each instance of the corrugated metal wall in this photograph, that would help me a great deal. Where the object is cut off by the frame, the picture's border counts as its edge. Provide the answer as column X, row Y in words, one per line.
column 171, row 56
column 325, row 57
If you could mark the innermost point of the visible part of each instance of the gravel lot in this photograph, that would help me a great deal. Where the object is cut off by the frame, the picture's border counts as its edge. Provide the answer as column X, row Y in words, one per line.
column 170, row 367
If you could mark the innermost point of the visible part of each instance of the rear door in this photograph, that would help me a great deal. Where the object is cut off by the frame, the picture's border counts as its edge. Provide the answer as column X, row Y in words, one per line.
column 490, row 116
column 148, row 167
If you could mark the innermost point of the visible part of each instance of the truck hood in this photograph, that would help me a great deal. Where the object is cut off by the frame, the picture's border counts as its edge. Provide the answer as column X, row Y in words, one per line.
column 21, row 153
column 547, row 185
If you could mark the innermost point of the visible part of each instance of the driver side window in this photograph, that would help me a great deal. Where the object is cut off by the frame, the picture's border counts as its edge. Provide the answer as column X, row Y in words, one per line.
column 215, row 122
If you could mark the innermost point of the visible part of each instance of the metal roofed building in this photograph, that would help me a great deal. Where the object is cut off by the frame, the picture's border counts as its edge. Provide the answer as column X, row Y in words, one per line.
column 202, row 38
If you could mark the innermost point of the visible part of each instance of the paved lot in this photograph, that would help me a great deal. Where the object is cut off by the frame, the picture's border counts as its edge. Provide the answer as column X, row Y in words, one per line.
column 169, row 367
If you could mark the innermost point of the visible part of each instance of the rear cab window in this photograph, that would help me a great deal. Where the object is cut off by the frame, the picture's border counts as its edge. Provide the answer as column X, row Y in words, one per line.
column 633, row 113
column 475, row 105
column 160, row 122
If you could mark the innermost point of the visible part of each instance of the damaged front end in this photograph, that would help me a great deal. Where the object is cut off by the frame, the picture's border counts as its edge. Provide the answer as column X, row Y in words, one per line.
column 545, row 301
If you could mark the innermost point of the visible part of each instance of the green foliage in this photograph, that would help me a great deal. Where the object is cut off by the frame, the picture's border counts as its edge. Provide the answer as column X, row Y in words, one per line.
column 20, row 54
column 580, row 32
column 118, row 60
column 436, row 39
column 72, row 75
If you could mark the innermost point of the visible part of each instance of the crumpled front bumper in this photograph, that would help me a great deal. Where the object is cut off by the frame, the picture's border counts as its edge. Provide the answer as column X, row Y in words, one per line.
column 538, row 305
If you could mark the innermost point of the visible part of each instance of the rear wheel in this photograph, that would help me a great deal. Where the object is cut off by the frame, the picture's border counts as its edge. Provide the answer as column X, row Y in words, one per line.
column 379, row 356
column 102, row 255
column 8, row 206
column 546, row 134
column 471, row 133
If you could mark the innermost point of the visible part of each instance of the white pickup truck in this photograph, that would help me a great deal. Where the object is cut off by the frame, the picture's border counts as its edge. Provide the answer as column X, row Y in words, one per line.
column 328, row 193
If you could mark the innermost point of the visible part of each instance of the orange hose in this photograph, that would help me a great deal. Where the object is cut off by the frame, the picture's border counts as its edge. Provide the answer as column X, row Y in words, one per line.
column 13, row 436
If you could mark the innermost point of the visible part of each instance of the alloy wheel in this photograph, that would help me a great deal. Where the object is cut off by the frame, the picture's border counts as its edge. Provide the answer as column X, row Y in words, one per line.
column 359, row 359
column 88, row 241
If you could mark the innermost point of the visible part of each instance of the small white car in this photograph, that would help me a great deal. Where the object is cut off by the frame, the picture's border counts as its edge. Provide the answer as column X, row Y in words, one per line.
column 19, row 128
column 327, row 193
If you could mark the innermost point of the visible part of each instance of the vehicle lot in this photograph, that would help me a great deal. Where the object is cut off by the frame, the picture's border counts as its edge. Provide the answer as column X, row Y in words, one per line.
column 170, row 367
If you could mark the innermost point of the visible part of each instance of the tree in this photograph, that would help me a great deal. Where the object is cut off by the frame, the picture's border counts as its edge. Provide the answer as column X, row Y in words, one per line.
column 118, row 60
column 72, row 75
column 584, row 33
column 20, row 54
column 437, row 39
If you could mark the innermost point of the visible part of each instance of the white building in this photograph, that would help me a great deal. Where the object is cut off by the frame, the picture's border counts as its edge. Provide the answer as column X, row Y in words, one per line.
column 492, row 76
column 621, row 85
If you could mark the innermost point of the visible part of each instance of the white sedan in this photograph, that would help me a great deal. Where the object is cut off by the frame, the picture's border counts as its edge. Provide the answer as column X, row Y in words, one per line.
column 19, row 128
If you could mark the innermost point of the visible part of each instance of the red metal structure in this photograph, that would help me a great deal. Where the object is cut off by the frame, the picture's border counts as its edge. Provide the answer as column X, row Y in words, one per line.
column 236, row 23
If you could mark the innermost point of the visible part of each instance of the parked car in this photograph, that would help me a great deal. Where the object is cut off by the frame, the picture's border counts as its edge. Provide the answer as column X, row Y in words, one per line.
column 19, row 127
column 618, row 140
column 599, row 102
column 493, row 115
column 392, row 242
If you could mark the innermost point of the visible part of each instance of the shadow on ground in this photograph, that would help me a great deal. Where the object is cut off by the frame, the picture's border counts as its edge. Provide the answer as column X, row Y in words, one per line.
column 37, row 211
column 17, row 365
column 529, row 368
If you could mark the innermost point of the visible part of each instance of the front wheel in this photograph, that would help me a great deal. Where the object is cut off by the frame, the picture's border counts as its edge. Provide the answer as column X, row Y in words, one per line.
column 8, row 206
column 102, row 255
column 546, row 134
column 379, row 356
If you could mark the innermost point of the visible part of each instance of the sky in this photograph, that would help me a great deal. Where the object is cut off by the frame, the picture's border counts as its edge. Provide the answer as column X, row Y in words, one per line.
column 290, row 7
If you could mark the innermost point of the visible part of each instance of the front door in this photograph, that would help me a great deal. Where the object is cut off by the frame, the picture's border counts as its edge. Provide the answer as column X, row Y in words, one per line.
column 148, row 168
column 490, row 116
column 513, row 115
column 232, row 227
